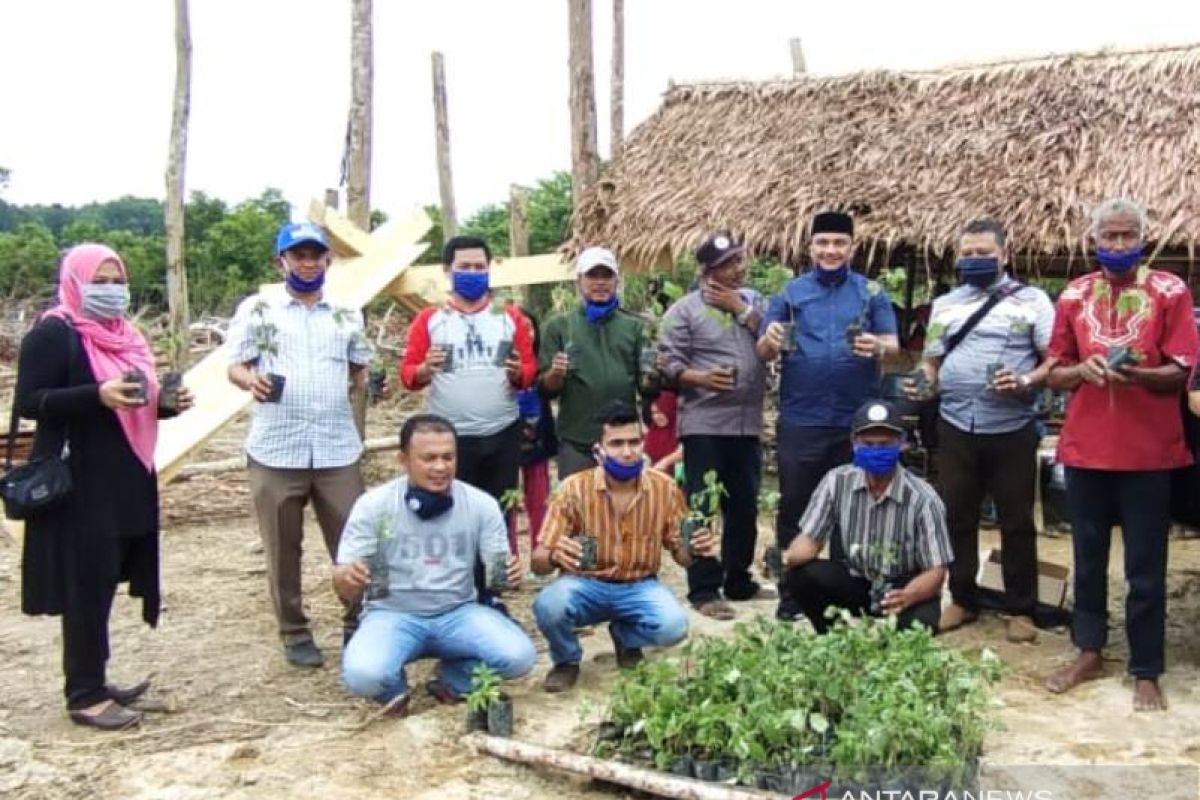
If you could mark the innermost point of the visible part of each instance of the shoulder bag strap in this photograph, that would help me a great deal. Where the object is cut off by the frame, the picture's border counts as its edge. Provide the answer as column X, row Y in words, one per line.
column 981, row 312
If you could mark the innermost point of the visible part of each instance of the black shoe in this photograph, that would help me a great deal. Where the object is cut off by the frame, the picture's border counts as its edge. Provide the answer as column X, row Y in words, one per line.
column 128, row 694
column 788, row 610
column 561, row 678
column 303, row 654
column 627, row 657
column 114, row 717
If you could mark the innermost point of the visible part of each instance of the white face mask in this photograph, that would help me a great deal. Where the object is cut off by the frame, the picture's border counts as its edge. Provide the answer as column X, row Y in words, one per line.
column 105, row 301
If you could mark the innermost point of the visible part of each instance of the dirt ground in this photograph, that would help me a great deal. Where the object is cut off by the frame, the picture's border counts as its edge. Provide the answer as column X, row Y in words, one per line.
column 244, row 724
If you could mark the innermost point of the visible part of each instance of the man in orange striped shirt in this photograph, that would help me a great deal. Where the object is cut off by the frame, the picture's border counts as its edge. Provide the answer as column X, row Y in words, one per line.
column 621, row 517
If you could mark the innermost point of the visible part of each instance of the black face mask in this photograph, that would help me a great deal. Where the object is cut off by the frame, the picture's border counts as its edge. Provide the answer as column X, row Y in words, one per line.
column 426, row 504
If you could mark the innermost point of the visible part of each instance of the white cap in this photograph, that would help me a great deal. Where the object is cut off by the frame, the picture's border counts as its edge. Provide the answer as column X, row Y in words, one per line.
column 595, row 257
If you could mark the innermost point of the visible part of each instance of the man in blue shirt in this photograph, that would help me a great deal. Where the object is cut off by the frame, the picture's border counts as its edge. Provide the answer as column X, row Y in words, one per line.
column 987, row 433
column 833, row 327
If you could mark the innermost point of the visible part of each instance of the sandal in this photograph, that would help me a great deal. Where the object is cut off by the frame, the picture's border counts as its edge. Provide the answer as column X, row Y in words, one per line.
column 716, row 609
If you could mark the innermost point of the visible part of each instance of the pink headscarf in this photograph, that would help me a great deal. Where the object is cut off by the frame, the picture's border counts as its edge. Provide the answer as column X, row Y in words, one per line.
column 112, row 346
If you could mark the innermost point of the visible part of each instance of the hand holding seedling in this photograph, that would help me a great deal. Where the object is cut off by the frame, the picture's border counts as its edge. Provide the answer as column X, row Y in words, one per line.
column 896, row 601
column 260, row 387
column 560, row 364
column 512, row 368
column 435, row 361
column 115, row 393
column 566, row 555
column 350, row 579
column 772, row 340
column 184, row 399
column 704, row 544
column 1094, row 370
column 867, row 345
column 513, row 572
column 1008, row 382
column 719, row 379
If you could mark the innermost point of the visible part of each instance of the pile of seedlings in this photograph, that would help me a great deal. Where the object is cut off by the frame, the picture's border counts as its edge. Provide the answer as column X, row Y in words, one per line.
column 778, row 707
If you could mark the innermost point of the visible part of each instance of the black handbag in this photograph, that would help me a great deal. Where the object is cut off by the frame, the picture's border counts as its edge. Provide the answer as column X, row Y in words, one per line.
column 36, row 486
column 40, row 484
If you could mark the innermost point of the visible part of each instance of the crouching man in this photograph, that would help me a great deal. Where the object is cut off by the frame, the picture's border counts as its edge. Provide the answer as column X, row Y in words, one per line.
column 617, row 518
column 893, row 547
column 412, row 544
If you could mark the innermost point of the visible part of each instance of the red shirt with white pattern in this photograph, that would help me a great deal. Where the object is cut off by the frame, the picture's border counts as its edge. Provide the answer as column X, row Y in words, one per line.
column 1125, row 427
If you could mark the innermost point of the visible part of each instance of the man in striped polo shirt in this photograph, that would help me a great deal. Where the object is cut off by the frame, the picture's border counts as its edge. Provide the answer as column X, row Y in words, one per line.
column 627, row 515
column 892, row 525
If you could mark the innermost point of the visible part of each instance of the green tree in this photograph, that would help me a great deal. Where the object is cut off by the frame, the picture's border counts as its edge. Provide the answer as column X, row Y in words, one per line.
column 28, row 261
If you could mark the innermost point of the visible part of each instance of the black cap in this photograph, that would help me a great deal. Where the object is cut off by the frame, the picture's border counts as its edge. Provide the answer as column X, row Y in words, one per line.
column 833, row 222
column 717, row 249
column 877, row 414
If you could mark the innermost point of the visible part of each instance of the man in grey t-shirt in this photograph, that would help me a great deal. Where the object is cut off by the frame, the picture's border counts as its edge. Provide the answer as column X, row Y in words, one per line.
column 412, row 544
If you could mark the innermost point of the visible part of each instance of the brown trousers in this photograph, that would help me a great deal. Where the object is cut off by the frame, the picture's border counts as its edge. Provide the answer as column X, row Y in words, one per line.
column 279, row 497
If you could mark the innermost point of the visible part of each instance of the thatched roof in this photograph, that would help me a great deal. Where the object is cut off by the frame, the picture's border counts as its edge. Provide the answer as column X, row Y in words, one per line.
column 913, row 156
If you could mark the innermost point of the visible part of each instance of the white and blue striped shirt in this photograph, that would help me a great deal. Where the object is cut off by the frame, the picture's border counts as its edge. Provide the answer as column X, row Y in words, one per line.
column 312, row 347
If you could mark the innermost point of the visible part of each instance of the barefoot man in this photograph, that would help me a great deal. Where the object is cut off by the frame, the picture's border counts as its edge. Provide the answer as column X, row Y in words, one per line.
column 1123, row 343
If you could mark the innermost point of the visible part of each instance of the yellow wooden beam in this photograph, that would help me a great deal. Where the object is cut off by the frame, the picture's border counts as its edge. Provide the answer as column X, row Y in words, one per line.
column 428, row 281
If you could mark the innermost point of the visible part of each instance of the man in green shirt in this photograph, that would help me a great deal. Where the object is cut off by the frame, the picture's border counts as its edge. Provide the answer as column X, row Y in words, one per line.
column 588, row 357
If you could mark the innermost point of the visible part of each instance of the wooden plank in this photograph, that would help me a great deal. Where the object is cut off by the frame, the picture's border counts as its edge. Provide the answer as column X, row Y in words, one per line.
column 353, row 281
column 429, row 281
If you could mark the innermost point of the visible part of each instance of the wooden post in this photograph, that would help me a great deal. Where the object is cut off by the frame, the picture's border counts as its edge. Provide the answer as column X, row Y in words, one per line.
column 177, row 288
column 797, row 57
column 617, row 118
column 331, row 198
column 362, row 70
column 584, row 167
column 442, row 120
column 518, row 221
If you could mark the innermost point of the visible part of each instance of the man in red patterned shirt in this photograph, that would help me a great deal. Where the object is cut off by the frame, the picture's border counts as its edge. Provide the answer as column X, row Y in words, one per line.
column 1124, row 341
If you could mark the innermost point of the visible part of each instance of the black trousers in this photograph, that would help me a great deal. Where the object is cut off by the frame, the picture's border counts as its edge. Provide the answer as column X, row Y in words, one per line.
column 1139, row 502
column 737, row 460
column 493, row 464
column 804, row 456
column 1003, row 465
column 821, row 584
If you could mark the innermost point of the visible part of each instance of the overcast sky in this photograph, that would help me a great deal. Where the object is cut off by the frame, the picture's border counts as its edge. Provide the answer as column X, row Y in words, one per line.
column 86, row 85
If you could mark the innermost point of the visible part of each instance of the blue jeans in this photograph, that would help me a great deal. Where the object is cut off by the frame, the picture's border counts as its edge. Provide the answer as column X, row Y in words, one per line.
column 644, row 614
column 373, row 663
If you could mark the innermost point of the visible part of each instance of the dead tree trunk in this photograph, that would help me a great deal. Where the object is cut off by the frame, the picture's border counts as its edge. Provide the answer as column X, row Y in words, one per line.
column 617, row 112
column 177, row 287
column 442, row 120
column 358, row 178
column 362, row 79
column 798, row 67
column 584, row 167
column 518, row 221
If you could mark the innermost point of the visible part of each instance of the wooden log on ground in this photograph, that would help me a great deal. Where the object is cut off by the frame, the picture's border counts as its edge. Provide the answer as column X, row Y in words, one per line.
column 656, row 783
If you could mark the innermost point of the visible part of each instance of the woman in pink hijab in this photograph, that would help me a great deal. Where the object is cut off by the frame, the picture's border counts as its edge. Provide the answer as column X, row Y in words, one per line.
column 86, row 375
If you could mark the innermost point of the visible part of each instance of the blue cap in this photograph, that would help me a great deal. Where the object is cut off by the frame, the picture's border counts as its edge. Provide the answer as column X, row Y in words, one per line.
column 295, row 233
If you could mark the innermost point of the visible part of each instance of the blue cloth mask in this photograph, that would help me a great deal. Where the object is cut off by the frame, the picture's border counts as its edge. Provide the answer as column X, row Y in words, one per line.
column 623, row 472
column 470, row 286
column 980, row 271
column 832, row 277
column 298, row 284
column 1119, row 263
column 426, row 504
column 598, row 312
column 877, row 460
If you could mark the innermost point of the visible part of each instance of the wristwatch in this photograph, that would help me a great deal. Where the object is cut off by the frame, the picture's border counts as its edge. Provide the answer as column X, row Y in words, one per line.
column 1024, row 381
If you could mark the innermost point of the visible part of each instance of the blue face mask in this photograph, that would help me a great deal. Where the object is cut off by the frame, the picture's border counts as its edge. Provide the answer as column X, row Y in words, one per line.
column 598, row 312
column 426, row 504
column 1119, row 263
column 298, row 284
column 832, row 277
column 980, row 272
column 470, row 286
column 623, row 472
column 877, row 460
